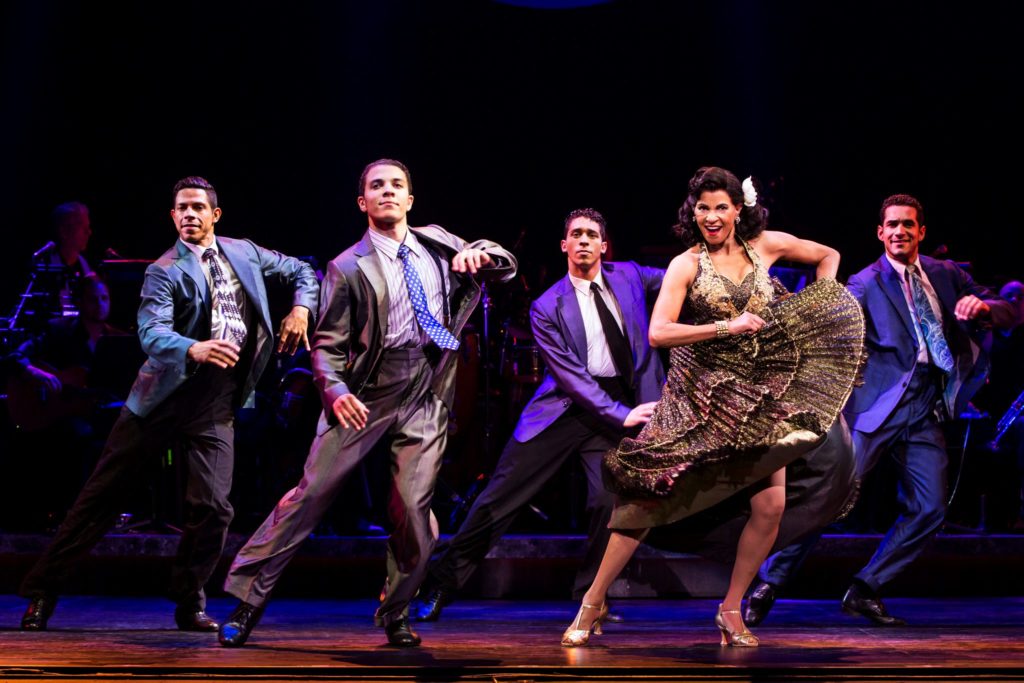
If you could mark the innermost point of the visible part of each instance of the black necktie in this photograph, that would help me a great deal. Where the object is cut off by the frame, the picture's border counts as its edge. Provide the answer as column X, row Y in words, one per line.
column 617, row 343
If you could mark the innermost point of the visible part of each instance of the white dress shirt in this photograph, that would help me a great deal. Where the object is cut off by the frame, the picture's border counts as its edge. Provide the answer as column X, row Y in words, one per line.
column 599, row 357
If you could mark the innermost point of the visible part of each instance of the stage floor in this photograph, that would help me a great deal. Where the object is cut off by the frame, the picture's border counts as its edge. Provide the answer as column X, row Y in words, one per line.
column 119, row 638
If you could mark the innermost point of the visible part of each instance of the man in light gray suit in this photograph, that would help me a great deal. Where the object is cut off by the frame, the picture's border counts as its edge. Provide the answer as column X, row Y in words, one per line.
column 204, row 322
column 601, row 380
column 393, row 306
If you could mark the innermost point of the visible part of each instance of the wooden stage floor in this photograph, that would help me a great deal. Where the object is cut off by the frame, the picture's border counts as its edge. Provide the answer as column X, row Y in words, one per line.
column 123, row 638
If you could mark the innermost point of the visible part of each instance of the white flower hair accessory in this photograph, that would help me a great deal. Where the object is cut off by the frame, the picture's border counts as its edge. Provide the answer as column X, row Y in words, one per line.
column 749, row 193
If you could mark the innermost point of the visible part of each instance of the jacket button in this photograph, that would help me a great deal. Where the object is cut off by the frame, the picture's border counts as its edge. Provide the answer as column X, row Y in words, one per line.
column 565, row 402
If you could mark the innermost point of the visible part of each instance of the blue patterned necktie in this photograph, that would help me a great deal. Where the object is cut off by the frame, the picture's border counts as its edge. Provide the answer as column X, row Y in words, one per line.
column 938, row 350
column 435, row 330
column 224, row 300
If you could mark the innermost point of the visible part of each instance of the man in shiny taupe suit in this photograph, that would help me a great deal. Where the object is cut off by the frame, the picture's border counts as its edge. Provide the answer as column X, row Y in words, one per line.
column 376, row 383
column 187, row 389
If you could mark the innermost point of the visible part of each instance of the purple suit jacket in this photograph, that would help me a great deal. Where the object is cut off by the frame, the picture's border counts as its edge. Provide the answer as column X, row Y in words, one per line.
column 891, row 339
column 558, row 331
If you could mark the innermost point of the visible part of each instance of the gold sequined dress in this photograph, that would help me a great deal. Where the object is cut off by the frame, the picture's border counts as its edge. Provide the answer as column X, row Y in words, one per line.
column 736, row 409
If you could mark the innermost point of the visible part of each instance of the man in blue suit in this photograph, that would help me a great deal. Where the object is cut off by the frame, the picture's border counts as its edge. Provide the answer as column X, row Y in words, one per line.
column 926, row 322
column 601, row 380
column 205, row 324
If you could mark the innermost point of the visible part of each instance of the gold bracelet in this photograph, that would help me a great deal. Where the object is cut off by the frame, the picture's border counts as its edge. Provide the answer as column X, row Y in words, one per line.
column 721, row 328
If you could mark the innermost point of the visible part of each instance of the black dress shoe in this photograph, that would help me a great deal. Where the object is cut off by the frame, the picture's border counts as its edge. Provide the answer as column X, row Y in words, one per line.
column 194, row 619
column 400, row 634
column 38, row 613
column 429, row 608
column 759, row 603
column 612, row 617
column 235, row 631
column 859, row 601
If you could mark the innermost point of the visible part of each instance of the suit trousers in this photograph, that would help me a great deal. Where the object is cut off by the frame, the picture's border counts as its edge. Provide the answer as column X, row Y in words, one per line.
column 403, row 411
column 200, row 416
column 522, row 471
column 913, row 437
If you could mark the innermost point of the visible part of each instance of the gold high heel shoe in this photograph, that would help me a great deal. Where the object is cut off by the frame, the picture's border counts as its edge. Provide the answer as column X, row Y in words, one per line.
column 575, row 636
column 742, row 638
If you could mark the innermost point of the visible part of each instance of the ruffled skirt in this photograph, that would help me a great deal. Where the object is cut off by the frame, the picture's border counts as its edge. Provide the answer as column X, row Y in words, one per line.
column 735, row 410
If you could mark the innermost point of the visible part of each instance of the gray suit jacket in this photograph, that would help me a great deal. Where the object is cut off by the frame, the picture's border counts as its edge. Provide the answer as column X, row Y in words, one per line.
column 558, row 330
column 891, row 339
column 175, row 314
column 349, row 338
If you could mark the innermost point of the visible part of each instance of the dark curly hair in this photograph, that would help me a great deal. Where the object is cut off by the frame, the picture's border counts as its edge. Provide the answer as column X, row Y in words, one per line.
column 592, row 214
column 752, row 219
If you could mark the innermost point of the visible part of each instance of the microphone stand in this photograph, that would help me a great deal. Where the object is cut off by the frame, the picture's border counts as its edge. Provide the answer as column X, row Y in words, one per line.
column 486, row 304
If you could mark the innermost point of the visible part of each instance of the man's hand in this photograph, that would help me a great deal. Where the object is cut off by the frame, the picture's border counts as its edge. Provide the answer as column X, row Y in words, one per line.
column 470, row 260
column 293, row 331
column 350, row 411
column 47, row 381
column 971, row 307
column 640, row 415
column 219, row 352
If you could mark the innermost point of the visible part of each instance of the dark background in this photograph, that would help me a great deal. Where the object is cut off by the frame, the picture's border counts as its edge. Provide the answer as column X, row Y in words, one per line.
column 509, row 117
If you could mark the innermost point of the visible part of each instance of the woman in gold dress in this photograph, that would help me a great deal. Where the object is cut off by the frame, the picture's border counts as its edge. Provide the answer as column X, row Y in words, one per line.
column 757, row 378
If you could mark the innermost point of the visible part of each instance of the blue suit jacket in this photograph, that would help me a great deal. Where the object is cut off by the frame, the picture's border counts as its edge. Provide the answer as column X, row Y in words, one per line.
column 175, row 314
column 891, row 339
column 558, row 331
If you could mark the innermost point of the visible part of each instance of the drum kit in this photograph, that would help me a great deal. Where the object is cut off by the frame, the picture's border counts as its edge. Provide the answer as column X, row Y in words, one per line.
column 499, row 370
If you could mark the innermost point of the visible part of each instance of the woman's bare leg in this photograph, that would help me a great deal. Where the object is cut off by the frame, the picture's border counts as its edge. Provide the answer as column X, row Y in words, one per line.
column 756, row 541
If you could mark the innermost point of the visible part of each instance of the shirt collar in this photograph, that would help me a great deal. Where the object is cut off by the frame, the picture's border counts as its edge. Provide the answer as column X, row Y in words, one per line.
column 901, row 269
column 583, row 286
column 389, row 247
column 198, row 250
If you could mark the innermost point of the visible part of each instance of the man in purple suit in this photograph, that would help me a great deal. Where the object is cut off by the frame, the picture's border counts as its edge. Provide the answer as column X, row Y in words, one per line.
column 926, row 321
column 601, row 381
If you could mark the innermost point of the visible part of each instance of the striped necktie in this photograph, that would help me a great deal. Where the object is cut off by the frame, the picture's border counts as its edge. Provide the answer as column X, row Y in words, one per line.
column 224, row 300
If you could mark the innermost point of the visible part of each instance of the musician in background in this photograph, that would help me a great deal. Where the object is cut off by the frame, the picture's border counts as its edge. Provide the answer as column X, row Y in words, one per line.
column 61, row 262
column 55, row 402
column 1005, row 386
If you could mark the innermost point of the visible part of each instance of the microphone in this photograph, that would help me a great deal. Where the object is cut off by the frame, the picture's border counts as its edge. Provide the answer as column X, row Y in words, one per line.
column 45, row 249
column 111, row 253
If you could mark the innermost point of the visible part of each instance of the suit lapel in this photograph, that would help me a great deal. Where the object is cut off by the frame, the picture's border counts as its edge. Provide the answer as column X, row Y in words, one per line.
column 941, row 284
column 190, row 265
column 239, row 261
column 369, row 264
column 569, row 309
column 893, row 288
